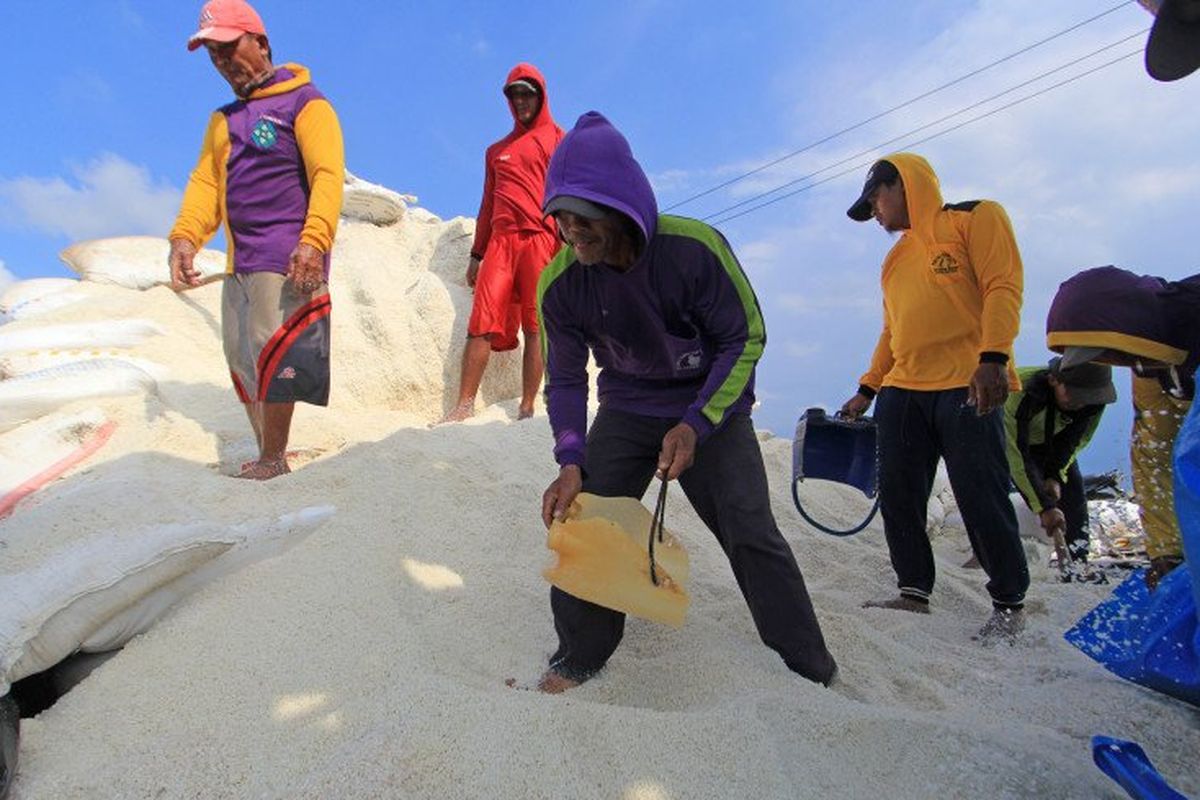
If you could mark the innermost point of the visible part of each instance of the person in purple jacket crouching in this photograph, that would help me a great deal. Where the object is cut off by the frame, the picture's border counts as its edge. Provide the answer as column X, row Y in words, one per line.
column 670, row 317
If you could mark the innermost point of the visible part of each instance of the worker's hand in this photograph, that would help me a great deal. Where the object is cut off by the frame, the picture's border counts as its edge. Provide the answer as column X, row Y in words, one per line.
column 1052, row 519
column 856, row 406
column 678, row 451
column 184, row 274
column 472, row 271
column 988, row 388
column 1052, row 488
column 557, row 498
column 1159, row 568
column 306, row 267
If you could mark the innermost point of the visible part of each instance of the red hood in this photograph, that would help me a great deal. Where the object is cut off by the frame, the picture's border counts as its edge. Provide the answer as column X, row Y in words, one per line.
column 530, row 73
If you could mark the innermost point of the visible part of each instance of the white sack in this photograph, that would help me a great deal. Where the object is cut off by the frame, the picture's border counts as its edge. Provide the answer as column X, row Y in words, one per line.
column 36, row 394
column 135, row 262
column 51, row 610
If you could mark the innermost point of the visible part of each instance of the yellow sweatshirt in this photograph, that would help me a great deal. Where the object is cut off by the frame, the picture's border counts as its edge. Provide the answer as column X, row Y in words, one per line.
column 952, row 289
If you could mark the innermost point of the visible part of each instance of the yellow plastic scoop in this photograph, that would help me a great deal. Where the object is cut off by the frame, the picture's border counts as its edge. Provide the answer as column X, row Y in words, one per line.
column 602, row 557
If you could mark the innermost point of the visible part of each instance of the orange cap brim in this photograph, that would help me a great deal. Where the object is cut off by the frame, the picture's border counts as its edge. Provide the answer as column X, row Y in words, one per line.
column 214, row 34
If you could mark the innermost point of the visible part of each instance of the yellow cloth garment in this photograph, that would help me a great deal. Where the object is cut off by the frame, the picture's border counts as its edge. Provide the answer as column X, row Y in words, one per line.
column 952, row 289
column 1157, row 419
column 602, row 558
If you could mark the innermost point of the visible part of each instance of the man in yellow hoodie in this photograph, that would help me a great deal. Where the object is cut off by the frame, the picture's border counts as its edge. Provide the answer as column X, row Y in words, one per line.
column 941, row 371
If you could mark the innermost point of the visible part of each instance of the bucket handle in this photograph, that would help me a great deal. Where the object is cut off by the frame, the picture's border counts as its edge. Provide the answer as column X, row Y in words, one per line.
column 825, row 529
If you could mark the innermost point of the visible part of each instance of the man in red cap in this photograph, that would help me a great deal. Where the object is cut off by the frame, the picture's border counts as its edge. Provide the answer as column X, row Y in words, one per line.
column 271, row 170
column 513, row 242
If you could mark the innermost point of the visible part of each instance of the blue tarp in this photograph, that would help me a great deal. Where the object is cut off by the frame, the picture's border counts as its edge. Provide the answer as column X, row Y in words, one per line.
column 1127, row 764
column 1187, row 493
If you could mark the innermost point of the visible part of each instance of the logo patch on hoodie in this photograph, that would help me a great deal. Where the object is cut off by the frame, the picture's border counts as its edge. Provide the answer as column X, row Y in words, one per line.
column 944, row 264
column 264, row 134
column 690, row 360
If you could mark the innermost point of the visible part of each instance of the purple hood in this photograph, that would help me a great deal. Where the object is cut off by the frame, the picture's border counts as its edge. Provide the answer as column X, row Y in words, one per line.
column 1120, row 310
column 594, row 162
column 1138, row 314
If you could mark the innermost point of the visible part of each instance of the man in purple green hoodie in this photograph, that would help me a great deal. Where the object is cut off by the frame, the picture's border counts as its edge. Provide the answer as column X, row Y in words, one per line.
column 666, row 310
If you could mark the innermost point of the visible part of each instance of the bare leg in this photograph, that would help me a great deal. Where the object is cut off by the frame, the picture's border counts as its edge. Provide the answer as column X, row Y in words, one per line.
column 531, row 376
column 275, row 425
column 474, row 361
column 254, row 414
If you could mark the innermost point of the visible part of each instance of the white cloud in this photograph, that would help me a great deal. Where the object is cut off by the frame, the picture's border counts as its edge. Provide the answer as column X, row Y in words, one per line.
column 108, row 196
column 130, row 16
column 1158, row 185
column 801, row 350
column 814, row 303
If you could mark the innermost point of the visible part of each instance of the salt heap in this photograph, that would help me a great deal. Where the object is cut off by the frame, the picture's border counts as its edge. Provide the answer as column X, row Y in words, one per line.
column 368, row 658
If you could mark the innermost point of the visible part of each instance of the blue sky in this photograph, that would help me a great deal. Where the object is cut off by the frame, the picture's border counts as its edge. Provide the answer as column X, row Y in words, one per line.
column 106, row 111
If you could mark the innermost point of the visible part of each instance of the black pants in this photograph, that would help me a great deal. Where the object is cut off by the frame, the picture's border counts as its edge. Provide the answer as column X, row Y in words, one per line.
column 1073, row 504
column 915, row 429
column 727, row 485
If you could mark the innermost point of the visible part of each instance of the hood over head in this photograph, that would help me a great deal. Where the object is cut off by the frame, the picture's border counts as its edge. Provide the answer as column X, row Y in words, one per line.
column 530, row 73
column 594, row 162
column 922, row 191
column 1114, row 309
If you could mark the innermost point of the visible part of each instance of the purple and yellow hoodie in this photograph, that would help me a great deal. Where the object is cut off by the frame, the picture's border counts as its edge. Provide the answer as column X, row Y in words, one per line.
column 1144, row 316
column 272, row 169
column 952, row 288
column 676, row 336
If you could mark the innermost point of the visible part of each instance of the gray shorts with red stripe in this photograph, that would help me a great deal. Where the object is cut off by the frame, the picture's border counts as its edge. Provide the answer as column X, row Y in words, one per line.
column 276, row 339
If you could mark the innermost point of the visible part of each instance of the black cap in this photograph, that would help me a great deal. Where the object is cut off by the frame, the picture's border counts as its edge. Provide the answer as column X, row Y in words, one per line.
column 1090, row 384
column 576, row 205
column 522, row 83
column 1173, row 49
column 881, row 172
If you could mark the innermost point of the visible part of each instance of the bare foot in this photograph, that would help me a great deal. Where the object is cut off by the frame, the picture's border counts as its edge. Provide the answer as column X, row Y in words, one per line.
column 899, row 603
column 265, row 470
column 289, row 454
column 550, row 683
column 1003, row 626
column 460, row 412
column 524, row 413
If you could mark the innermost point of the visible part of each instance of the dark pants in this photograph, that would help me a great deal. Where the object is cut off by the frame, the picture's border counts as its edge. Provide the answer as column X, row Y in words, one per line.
column 1073, row 504
column 727, row 485
column 915, row 429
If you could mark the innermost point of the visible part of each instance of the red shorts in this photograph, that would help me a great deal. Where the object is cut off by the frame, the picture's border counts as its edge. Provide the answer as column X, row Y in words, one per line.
column 506, row 287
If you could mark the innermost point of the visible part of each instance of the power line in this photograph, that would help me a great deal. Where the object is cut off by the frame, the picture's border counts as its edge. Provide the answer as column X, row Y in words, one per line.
column 951, row 129
column 926, row 126
column 906, row 103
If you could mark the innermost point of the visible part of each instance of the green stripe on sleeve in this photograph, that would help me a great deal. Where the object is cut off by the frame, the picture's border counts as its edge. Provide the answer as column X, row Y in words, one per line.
column 564, row 259
column 739, row 376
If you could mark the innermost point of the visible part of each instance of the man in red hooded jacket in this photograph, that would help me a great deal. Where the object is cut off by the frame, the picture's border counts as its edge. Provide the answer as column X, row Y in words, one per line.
column 513, row 242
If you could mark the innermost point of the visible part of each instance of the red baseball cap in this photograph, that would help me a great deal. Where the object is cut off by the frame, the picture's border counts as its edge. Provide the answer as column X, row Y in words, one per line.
column 225, row 21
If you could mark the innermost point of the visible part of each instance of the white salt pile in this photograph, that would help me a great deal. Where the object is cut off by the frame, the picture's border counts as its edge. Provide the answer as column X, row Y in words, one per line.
column 369, row 658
